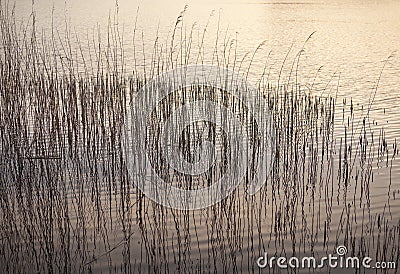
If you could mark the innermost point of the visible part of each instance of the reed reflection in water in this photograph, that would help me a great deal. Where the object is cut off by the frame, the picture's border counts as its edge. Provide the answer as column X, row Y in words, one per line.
column 68, row 202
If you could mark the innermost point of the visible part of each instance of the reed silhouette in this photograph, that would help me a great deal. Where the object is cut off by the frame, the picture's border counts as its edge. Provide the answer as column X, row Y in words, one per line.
column 68, row 204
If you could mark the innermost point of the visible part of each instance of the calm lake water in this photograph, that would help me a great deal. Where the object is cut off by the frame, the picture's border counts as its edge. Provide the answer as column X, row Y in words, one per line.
column 345, row 58
column 351, row 42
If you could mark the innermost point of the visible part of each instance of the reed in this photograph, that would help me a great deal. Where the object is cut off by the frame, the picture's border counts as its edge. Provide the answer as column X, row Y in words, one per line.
column 68, row 204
